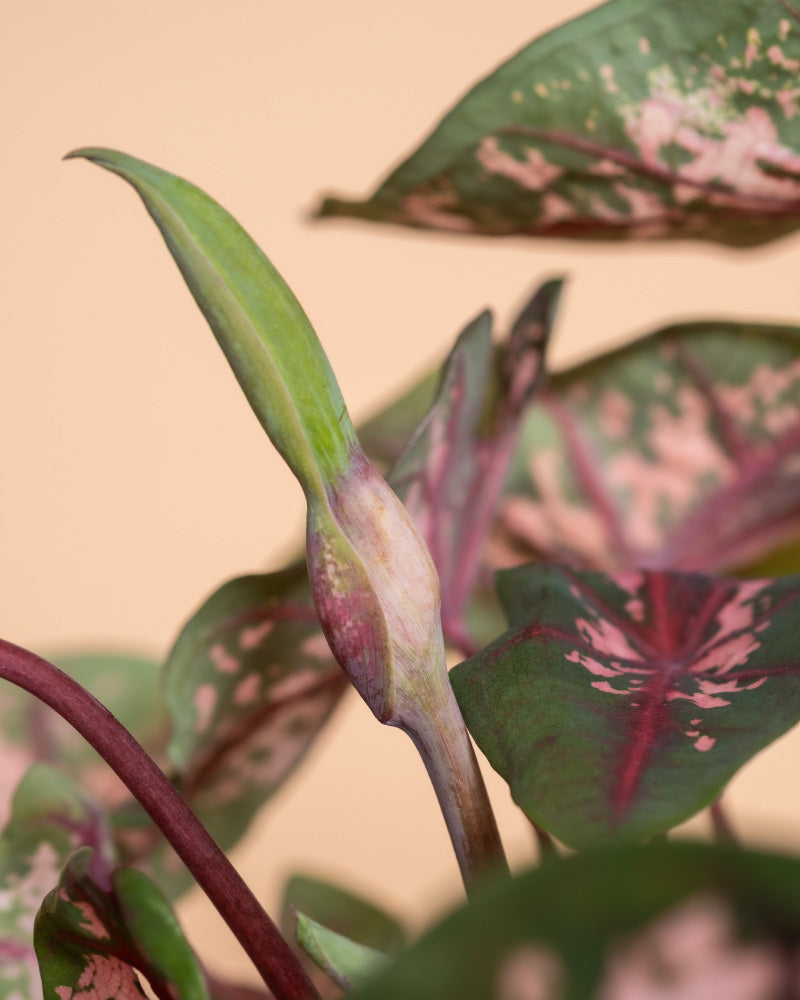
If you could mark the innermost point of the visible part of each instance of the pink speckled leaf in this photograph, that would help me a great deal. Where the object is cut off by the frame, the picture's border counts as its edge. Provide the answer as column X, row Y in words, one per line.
column 618, row 706
column 452, row 472
column 101, row 925
column 50, row 819
column 249, row 684
column 680, row 450
column 637, row 119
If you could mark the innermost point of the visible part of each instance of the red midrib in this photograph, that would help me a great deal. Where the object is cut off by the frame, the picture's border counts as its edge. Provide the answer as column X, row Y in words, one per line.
column 651, row 719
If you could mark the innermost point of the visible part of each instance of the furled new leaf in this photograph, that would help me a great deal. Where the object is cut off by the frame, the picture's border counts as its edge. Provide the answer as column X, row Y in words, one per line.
column 100, row 926
column 249, row 683
column 638, row 119
column 661, row 920
column 453, row 471
column 348, row 963
column 618, row 706
column 373, row 581
column 50, row 819
column 680, row 450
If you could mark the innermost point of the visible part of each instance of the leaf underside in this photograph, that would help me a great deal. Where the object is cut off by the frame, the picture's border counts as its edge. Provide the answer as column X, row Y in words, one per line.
column 452, row 472
column 636, row 120
column 618, row 706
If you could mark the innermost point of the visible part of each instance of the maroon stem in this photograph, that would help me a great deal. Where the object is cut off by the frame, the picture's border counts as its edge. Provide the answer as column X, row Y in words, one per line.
column 212, row 870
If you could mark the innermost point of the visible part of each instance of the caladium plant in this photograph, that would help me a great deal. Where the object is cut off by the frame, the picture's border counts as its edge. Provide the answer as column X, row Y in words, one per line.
column 611, row 550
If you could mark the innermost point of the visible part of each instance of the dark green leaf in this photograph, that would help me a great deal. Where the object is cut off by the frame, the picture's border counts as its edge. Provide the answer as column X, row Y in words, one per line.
column 662, row 920
column 100, row 925
column 340, row 911
column 638, row 119
column 618, row 706
column 679, row 450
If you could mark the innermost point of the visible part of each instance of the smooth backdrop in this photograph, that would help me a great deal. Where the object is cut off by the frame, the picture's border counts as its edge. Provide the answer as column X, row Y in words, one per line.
column 135, row 479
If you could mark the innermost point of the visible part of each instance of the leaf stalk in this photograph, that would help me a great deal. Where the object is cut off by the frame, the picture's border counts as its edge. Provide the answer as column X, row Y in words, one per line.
column 214, row 873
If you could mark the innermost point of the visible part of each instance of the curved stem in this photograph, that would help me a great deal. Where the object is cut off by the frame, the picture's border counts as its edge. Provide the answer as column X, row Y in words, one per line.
column 212, row 870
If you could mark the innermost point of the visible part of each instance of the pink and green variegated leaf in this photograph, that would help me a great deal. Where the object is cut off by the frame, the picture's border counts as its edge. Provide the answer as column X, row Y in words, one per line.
column 638, row 119
column 619, row 705
column 680, row 450
column 50, row 819
column 636, row 922
column 29, row 731
column 99, row 926
column 452, row 473
column 249, row 684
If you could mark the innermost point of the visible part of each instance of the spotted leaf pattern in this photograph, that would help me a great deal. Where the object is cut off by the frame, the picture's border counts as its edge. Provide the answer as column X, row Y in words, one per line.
column 636, row 120
column 618, row 705
column 249, row 683
column 680, row 450
column 100, row 926
column 50, row 819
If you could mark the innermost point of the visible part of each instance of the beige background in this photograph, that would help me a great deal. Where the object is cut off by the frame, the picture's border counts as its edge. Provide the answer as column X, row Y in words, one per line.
column 134, row 477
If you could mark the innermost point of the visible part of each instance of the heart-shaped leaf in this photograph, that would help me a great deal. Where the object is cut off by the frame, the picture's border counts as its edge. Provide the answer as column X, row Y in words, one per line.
column 50, row 819
column 249, row 684
column 679, row 451
column 617, row 706
column 453, row 471
column 99, row 926
column 670, row 921
column 634, row 120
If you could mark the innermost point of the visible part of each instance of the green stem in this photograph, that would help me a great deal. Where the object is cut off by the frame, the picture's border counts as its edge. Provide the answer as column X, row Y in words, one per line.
column 444, row 745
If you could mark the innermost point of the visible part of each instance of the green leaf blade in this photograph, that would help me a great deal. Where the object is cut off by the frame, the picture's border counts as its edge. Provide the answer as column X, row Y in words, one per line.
column 348, row 963
column 255, row 317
